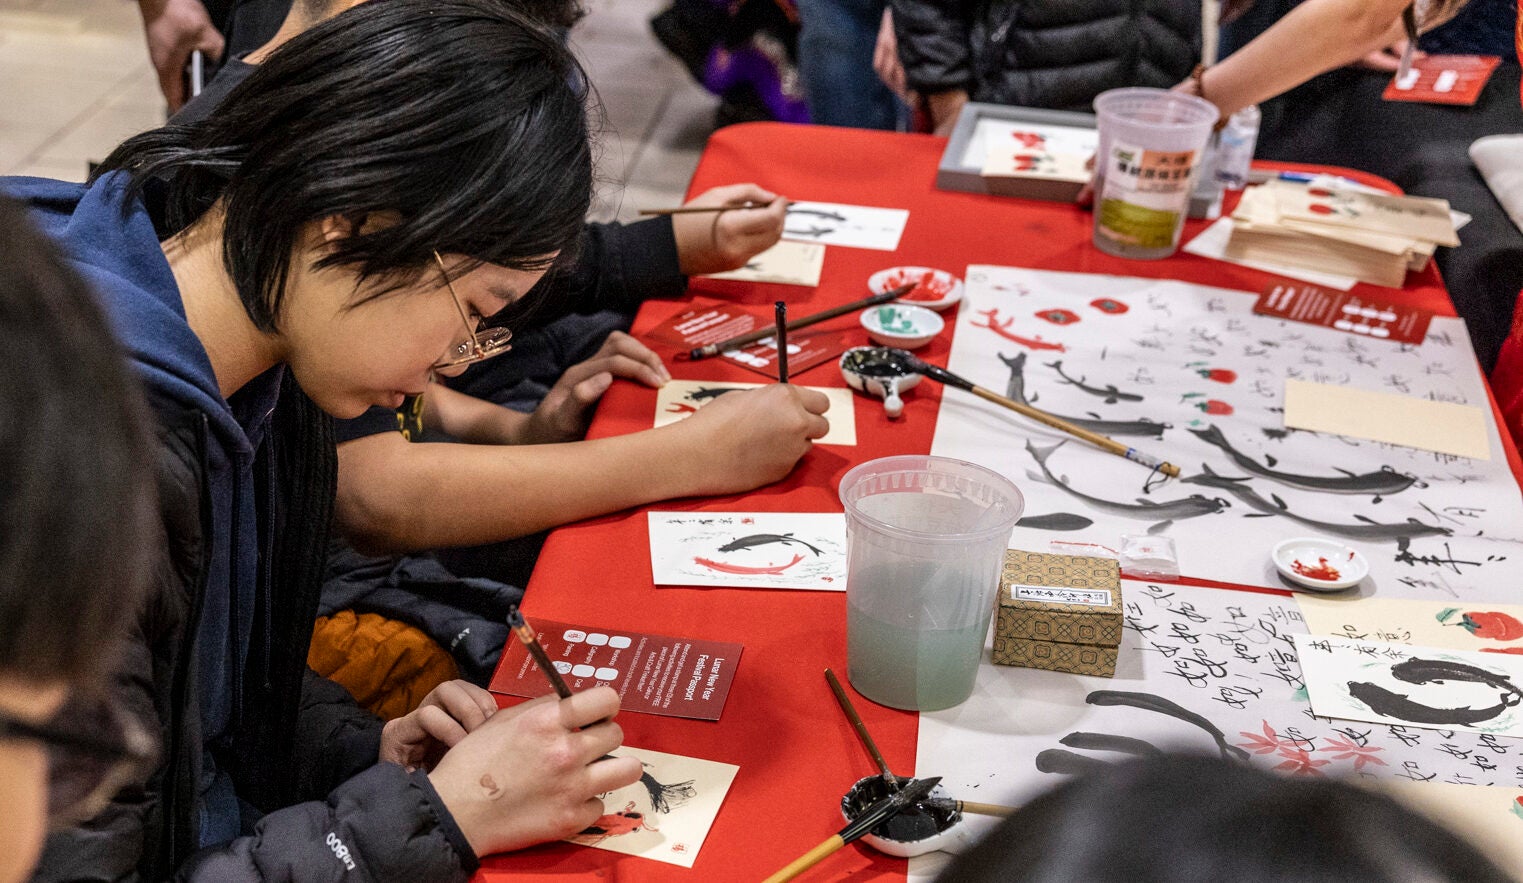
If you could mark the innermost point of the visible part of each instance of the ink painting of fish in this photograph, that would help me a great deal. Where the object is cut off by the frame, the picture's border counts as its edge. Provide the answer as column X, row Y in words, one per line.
column 763, row 550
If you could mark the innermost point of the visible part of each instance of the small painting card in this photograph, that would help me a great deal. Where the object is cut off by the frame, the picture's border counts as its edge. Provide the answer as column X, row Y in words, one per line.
column 1443, row 79
column 667, row 814
column 786, row 263
column 1444, row 427
column 1213, row 243
column 1016, row 161
column 1488, row 628
column 1402, row 685
column 653, row 674
column 706, row 323
column 1417, row 217
column 992, row 134
column 1349, row 313
column 679, row 399
column 763, row 550
column 806, row 349
column 1490, row 816
column 854, row 226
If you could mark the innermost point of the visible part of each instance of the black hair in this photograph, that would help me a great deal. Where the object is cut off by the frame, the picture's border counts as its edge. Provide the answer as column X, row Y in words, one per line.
column 1198, row 819
column 555, row 13
column 76, row 503
column 458, row 120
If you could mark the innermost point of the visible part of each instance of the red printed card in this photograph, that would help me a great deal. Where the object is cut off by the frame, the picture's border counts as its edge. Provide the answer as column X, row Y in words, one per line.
column 654, row 674
column 1444, row 79
column 1340, row 310
column 717, row 322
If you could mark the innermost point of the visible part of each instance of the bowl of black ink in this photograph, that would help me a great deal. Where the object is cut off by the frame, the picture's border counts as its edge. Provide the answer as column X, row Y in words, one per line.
column 877, row 371
column 931, row 824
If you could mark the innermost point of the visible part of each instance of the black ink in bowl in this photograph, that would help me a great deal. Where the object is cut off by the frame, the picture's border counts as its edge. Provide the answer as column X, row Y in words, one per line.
column 876, row 361
column 916, row 823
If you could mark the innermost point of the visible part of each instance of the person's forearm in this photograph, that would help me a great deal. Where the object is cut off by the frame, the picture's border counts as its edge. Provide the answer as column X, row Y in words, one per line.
column 396, row 496
column 469, row 419
column 1313, row 38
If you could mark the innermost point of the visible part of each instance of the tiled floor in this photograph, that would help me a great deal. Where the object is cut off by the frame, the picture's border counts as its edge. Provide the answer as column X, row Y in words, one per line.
column 75, row 81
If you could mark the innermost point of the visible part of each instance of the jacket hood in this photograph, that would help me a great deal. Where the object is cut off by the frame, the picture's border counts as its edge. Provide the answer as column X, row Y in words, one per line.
column 113, row 244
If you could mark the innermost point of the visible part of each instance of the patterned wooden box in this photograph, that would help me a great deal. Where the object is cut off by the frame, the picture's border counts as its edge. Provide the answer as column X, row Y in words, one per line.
column 1059, row 612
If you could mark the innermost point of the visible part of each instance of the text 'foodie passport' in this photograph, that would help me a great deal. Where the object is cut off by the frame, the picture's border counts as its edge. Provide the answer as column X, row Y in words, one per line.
column 654, row 674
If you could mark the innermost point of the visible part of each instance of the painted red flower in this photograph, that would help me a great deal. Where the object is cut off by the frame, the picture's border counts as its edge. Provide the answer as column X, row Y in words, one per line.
column 1300, row 762
column 1318, row 208
column 1493, row 624
column 1268, row 743
column 1220, row 375
column 1212, row 406
column 1059, row 317
column 1029, row 139
column 1107, row 305
column 1343, row 749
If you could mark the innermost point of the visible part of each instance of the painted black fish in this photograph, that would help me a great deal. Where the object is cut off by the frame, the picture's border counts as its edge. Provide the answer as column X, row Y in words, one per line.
column 1385, row 481
column 1055, row 521
column 1429, row 671
column 1164, row 514
column 1368, row 530
column 1110, row 393
column 819, row 213
column 710, row 392
column 1394, row 705
column 766, row 539
column 812, row 231
column 1016, row 389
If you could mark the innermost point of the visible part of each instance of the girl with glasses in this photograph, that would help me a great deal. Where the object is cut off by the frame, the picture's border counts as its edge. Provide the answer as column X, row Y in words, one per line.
column 366, row 198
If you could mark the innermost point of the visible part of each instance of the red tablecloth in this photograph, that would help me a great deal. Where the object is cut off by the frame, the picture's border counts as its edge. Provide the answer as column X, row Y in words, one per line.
column 781, row 726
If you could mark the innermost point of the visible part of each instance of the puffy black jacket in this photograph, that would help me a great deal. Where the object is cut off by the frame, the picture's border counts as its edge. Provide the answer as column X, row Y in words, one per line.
column 1045, row 53
column 301, row 737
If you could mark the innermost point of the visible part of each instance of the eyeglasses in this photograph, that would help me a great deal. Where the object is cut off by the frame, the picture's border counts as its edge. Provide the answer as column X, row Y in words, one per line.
column 94, row 750
column 479, row 343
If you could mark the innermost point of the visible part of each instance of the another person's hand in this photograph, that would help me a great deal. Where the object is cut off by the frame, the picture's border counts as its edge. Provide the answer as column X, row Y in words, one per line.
column 886, row 63
column 1387, row 59
column 174, row 29
column 566, row 410
column 743, row 440
column 944, row 108
column 532, row 773
column 450, row 711
column 720, row 241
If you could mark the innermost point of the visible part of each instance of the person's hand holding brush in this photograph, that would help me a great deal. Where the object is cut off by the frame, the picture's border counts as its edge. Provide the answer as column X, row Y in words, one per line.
column 532, row 773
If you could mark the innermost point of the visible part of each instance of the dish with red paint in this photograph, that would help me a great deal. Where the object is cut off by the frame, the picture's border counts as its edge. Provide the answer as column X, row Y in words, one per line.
column 934, row 289
column 1323, row 565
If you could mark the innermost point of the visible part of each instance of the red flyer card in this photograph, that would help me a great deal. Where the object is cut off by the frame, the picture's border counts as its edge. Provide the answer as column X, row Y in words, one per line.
column 654, row 674
column 1360, row 316
column 806, row 348
column 1443, row 79
column 703, row 324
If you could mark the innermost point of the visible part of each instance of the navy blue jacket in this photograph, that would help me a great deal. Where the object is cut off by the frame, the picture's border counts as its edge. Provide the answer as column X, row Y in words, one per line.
column 210, row 654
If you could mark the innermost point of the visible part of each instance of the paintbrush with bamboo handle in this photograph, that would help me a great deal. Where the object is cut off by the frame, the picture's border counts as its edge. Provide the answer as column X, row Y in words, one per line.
column 871, row 818
column 1105, row 443
column 968, row 806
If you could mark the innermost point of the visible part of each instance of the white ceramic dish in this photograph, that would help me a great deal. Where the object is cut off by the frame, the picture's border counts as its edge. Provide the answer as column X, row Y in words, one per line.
column 860, row 373
column 1321, row 565
column 902, row 325
column 954, row 839
column 935, row 289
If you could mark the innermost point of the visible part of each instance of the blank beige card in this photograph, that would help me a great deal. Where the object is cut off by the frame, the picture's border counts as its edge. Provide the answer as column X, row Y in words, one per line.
column 1400, row 420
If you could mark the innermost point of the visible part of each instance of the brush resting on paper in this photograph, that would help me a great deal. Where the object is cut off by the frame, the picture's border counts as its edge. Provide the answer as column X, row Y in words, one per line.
column 911, row 363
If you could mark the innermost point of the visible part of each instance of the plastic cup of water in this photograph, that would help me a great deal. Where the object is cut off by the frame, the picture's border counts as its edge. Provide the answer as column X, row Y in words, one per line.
column 1151, row 141
column 925, row 542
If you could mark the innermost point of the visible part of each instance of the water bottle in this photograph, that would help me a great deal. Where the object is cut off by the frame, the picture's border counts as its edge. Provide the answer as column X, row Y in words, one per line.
column 1235, row 147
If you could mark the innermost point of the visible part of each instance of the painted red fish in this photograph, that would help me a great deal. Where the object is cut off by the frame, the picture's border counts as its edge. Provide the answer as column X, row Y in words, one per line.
column 741, row 569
